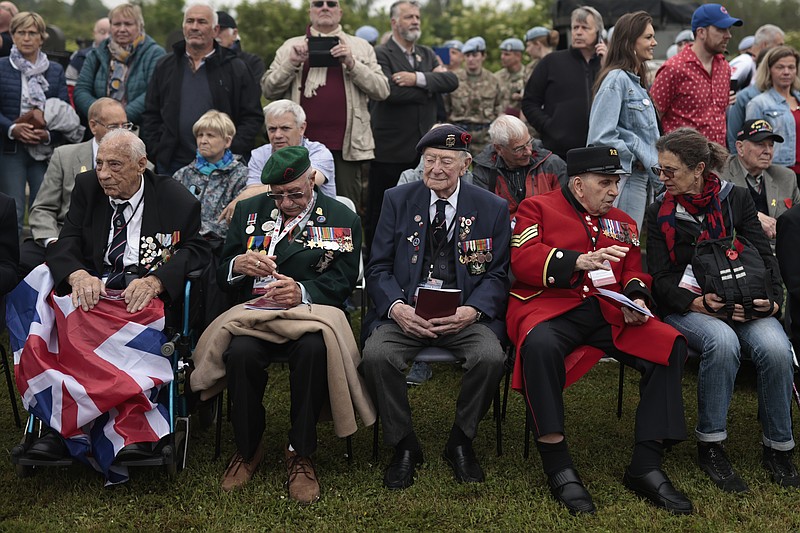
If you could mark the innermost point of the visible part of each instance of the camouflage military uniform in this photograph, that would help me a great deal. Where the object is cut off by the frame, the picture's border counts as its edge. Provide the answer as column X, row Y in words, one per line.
column 474, row 105
column 511, row 83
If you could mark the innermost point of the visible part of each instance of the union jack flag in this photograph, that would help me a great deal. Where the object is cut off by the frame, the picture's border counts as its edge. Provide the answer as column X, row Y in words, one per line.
column 92, row 376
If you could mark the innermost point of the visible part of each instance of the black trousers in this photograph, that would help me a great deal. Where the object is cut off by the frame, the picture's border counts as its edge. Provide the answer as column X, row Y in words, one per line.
column 246, row 361
column 660, row 414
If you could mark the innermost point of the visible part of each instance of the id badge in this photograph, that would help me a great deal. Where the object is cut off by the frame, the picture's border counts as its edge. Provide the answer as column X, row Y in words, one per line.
column 430, row 283
column 601, row 278
column 689, row 282
column 260, row 284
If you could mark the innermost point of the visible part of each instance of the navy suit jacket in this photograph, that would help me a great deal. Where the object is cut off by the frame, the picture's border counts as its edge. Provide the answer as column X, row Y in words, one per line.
column 391, row 275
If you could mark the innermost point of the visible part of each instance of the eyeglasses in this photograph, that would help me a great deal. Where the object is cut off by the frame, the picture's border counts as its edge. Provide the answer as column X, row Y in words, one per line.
column 320, row 3
column 290, row 195
column 124, row 126
column 519, row 150
column 658, row 170
column 22, row 34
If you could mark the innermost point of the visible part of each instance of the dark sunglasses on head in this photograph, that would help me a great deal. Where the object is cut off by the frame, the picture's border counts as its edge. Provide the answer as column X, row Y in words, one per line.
column 320, row 3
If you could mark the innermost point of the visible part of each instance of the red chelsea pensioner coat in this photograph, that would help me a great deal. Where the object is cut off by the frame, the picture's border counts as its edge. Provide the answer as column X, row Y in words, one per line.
column 551, row 231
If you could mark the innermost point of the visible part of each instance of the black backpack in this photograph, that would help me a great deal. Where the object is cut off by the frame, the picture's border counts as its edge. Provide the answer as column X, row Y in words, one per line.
column 737, row 276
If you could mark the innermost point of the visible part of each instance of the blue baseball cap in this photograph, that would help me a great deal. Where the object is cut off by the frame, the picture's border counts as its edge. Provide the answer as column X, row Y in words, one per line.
column 713, row 15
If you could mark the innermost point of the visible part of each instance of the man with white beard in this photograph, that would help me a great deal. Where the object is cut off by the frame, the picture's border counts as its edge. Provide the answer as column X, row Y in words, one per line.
column 416, row 79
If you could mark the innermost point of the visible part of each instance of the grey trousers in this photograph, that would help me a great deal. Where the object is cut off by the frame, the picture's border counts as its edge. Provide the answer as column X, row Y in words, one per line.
column 387, row 353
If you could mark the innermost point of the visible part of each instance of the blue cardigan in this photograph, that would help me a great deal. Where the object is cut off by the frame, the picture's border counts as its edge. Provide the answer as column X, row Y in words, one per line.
column 11, row 92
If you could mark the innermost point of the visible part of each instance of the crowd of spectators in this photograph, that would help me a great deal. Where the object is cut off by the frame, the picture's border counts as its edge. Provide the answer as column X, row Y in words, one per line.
column 581, row 149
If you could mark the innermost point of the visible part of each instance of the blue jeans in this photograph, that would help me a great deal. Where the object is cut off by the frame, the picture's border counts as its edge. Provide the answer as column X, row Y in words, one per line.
column 633, row 196
column 15, row 171
column 721, row 347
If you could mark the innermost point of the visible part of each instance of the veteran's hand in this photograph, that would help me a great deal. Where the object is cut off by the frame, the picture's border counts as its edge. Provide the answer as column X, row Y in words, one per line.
column 594, row 260
column 762, row 306
column 140, row 291
column 285, row 290
column 635, row 318
column 86, row 289
column 448, row 325
column 411, row 323
column 255, row 264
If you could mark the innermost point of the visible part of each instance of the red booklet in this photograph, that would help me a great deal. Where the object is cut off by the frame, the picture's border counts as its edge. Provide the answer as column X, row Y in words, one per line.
column 436, row 303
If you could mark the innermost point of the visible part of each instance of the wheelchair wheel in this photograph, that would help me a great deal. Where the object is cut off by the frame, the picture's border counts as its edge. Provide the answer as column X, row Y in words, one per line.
column 23, row 471
column 170, row 461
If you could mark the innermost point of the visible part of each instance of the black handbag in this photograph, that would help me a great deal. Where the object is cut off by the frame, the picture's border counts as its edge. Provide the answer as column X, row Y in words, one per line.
column 738, row 276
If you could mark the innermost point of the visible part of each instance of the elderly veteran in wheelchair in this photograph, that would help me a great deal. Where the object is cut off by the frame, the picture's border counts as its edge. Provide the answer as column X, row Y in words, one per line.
column 113, row 245
column 297, row 251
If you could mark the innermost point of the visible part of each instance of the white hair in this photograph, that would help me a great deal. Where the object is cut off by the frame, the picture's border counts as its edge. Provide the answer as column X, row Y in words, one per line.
column 506, row 127
column 214, row 16
column 134, row 144
column 281, row 107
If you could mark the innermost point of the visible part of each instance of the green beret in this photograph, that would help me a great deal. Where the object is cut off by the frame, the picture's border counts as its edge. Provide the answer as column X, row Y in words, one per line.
column 285, row 165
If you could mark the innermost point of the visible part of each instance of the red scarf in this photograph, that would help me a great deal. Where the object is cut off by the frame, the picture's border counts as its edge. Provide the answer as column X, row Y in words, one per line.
column 706, row 203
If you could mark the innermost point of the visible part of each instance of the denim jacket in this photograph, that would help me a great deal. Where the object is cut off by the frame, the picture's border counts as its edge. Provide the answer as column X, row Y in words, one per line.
column 623, row 116
column 773, row 107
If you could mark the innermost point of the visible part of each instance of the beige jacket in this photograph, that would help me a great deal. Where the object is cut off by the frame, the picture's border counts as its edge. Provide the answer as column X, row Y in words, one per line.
column 366, row 81
column 52, row 201
column 347, row 393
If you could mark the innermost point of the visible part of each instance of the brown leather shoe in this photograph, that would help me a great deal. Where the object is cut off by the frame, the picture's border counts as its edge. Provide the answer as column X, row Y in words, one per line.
column 240, row 471
column 302, row 481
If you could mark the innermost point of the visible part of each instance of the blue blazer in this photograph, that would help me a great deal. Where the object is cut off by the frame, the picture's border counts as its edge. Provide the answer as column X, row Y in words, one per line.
column 392, row 275
column 11, row 92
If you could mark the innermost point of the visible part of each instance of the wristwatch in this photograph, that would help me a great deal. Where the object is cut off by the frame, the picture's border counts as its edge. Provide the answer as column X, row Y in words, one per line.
column 478, row 315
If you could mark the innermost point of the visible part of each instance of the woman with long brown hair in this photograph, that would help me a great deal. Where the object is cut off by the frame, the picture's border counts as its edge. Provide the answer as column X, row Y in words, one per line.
column 623, row 116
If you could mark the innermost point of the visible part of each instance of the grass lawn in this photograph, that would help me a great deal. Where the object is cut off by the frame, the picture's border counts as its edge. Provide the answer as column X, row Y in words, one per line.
column 514, row 497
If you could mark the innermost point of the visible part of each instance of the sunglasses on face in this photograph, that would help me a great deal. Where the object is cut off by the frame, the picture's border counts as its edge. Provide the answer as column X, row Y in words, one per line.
column 658, row 170
column 329, row 3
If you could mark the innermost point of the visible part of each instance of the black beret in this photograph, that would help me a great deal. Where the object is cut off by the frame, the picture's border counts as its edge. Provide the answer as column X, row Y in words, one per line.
column 225, row 20
column 597, row 159
column 447, row 136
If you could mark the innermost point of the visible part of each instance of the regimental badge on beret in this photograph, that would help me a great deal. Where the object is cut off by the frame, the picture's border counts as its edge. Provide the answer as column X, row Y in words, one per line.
column 447, row 137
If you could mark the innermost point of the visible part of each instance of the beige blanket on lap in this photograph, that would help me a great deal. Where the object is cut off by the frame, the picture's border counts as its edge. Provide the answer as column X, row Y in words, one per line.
column 347, row 393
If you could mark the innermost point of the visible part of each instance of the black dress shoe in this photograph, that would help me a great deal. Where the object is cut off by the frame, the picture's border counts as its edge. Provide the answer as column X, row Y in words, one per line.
column 567, row 489
column 656, row 488
column 137, row 450
column 464, row 464
column 400, row 472
column 49, row 446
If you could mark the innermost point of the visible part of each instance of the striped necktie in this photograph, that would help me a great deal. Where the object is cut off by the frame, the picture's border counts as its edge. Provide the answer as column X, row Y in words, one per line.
column 116, row 253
